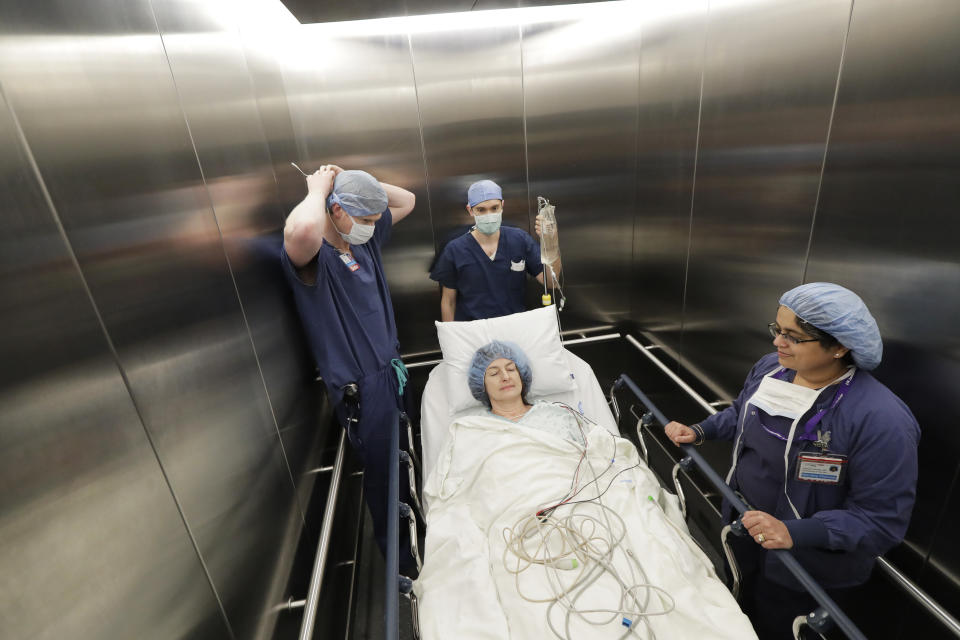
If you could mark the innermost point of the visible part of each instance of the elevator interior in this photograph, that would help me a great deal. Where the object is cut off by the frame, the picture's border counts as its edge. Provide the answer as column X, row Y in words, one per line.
column 159, row 415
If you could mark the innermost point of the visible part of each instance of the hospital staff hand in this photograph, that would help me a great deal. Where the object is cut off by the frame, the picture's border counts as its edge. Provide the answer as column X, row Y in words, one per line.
column 764, row 527
column 680, row 433
column 321, row 181
column 537, row 225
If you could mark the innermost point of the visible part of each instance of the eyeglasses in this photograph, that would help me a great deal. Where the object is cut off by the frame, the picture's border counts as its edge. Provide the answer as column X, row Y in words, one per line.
column 775, row 332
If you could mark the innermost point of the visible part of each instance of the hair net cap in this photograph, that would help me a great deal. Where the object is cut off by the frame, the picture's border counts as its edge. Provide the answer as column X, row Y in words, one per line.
column 482, row 191
column 841, row 313
column 358, row 193
column 487, row 354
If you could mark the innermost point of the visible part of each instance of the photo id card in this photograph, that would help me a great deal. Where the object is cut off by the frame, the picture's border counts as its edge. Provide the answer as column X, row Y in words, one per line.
column 349, row 261
column 825, row 468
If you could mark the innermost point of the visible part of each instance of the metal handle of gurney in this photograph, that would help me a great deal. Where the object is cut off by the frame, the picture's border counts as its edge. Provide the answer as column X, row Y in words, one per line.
column 409, row 458
column 397, row 510
column 833, row 612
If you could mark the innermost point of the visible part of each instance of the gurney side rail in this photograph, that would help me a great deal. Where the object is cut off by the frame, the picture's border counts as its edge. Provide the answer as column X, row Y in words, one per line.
column 809, row 584
column 391, row 591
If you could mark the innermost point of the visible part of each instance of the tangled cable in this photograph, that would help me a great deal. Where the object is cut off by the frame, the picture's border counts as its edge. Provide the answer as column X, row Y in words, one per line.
column 577, row 543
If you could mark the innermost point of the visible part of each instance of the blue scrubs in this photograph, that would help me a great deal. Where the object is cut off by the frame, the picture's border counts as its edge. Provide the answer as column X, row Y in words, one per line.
column 489, row 288
column 842, row 527
column 347, row 315
column 863, row 516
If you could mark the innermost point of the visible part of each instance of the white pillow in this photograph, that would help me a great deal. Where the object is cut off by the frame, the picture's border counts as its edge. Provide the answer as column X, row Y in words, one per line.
column 536, row 332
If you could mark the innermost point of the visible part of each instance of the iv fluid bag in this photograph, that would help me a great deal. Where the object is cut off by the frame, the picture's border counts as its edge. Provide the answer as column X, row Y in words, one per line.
column 549, row 247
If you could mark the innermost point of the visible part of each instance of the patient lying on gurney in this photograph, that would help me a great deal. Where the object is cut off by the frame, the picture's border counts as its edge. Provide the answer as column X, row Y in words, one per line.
column 500, row 376
column 543, row 524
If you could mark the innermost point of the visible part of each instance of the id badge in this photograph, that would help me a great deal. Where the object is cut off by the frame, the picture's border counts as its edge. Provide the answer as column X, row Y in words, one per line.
column 349, row 261
column 823, row 468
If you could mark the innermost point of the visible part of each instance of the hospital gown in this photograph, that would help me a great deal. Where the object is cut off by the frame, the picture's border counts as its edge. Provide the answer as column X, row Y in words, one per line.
column 552, row 418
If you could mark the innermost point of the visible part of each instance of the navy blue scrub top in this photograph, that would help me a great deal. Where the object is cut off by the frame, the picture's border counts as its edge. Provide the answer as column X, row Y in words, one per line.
column 760, row 467
column 489, row 288
column 348, row 315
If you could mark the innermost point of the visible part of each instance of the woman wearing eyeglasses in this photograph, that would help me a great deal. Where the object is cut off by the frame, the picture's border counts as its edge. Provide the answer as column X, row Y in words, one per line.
column 825, row 455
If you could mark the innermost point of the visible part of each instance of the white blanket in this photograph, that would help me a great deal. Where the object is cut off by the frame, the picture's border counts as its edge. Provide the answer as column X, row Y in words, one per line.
column 490, row 474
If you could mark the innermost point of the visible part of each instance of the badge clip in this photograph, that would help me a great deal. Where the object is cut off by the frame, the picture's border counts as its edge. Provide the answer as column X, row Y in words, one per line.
column 823, row 441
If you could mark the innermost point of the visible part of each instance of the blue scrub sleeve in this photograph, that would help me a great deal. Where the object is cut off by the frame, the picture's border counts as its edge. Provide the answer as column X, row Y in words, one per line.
column 807, row 533
column 445, row 271
column 534, row 266
column 383, row 230
column 882, row 476
column 293, row 275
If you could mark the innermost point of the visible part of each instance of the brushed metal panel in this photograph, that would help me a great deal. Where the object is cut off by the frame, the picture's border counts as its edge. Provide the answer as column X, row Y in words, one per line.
column 215, row 92
column 580, row 92
column 93, row 544
column 353, row 103
column 265, row 30
column 770, row 74
column 99, row 107
column 470, row 94
column 886, row 226
column 671, row 63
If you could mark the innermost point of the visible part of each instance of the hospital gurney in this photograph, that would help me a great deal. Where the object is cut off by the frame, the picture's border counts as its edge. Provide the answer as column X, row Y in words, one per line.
column 677, row 555
column 589, row 398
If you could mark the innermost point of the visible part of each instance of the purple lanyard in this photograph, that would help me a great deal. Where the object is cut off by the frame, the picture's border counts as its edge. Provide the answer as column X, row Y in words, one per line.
column 812, row 423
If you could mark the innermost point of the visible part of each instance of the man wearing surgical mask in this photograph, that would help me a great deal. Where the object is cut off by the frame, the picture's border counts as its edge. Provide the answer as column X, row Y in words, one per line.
column 483, row 273
column 331, row 257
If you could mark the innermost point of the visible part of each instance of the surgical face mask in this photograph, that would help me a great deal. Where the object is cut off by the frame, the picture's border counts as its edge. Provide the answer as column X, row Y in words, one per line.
column 781, row 398
column 488, row 223
column 359, row 233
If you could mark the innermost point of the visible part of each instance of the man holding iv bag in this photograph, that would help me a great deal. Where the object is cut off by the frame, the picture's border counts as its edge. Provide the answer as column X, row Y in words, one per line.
column 483, row 273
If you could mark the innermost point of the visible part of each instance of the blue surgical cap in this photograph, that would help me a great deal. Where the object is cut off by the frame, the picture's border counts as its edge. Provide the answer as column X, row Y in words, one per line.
column 483, row 191
column 487, row 354
column 841, row 313
column 358, row 193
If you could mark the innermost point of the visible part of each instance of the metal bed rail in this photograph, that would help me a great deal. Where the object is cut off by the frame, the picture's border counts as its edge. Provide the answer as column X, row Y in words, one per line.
column 889, row 570
column 825, row 601
column 395, row 582
column 391, row 600
column 323, row 546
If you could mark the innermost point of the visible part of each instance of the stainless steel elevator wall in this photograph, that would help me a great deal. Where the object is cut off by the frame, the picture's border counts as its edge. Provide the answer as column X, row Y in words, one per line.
column 671, row 66
column 886, row 225
column 580, row 97
column 763, row 127
column 163, row 379
column 93, row 544
column 704, row 156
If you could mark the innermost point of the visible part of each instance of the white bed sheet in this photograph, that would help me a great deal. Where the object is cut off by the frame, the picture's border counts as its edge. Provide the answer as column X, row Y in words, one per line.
column 435, row 418
column 489, row 475
column 463, row 589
